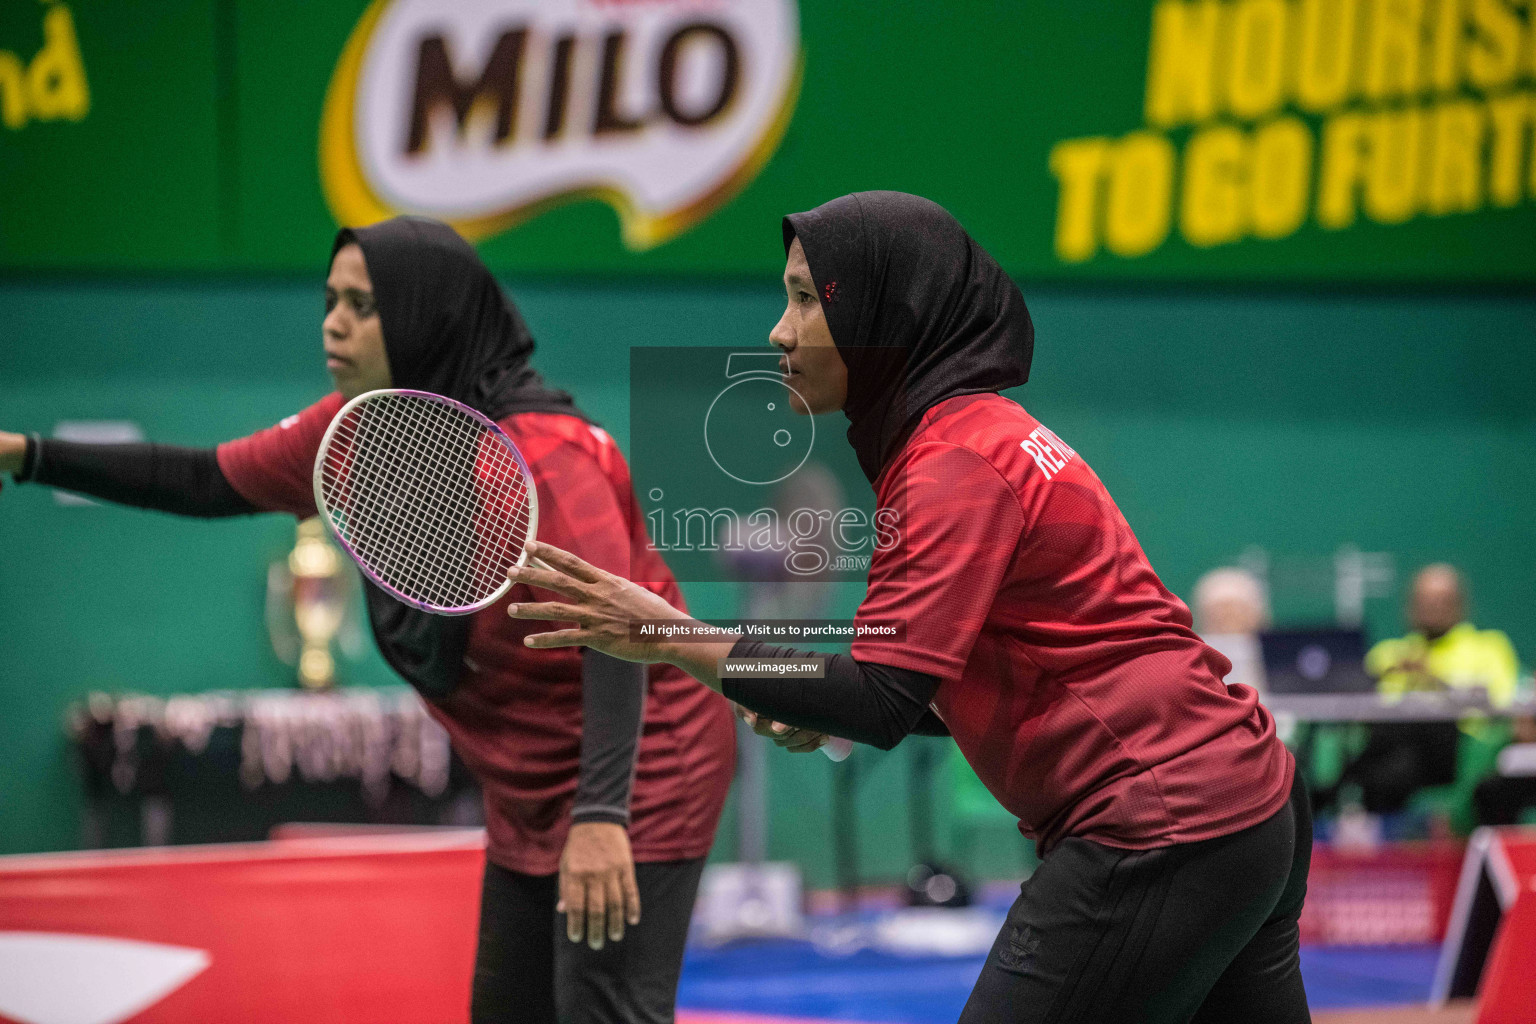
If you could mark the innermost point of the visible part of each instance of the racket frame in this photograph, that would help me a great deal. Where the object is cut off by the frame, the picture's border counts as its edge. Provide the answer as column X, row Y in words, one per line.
column 496, row 432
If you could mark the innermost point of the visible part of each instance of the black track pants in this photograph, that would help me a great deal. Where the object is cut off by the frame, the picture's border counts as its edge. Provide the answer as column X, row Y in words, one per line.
column 528, row 972
column 1203, row 932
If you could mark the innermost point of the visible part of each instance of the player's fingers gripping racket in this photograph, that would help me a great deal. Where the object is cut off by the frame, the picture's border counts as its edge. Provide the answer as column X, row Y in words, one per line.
column 430, row 498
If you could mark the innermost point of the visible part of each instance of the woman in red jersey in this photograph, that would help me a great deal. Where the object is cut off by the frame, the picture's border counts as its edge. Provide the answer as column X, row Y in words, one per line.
column 603, row 782
column 1174, row 834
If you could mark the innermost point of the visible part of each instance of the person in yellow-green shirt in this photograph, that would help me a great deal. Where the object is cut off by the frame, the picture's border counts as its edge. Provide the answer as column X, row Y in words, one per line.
column 1444, row 651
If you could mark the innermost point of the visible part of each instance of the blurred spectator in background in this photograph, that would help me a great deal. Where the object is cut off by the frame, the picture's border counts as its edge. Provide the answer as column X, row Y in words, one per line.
column 1231, row 608
column 1443, row 652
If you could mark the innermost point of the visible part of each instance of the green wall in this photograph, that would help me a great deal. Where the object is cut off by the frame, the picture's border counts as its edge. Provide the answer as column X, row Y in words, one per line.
column 1397, row 422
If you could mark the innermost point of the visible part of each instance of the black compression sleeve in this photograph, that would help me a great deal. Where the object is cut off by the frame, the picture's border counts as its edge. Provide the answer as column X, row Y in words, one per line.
column 186, row 481
column 862, row 701
column 612, row 712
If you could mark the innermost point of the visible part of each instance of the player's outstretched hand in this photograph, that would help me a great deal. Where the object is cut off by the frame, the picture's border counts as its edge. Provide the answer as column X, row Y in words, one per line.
column 602, row 605
column 796, row 741
column 598, row 894
column 610, row 614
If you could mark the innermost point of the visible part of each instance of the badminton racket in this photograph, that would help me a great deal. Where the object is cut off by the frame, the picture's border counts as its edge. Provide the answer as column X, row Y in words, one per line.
column 430, row 497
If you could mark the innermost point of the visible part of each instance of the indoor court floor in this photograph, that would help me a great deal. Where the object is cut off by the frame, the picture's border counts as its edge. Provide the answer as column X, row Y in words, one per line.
column 783, row 981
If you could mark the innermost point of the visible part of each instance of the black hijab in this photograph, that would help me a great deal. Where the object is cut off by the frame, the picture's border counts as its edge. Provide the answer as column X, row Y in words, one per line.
column 919, row 312
column 448, row 328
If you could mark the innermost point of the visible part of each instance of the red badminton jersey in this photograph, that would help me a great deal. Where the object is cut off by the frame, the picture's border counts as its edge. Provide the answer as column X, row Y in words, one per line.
column 1070, row 676
column 516, row 717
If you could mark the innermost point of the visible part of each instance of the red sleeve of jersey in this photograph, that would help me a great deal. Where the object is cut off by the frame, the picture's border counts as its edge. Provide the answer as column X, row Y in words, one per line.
column 273, row 469
column 958, row 526
column 578, row 510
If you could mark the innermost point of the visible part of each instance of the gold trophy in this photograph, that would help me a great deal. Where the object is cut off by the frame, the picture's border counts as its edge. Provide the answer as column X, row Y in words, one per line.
column 319, row 599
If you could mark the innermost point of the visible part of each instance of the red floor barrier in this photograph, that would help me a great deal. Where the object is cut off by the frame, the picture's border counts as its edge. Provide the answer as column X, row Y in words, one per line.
column 1509, row 986
column 303, row 931
column 1490, row 946
column 1398, row 893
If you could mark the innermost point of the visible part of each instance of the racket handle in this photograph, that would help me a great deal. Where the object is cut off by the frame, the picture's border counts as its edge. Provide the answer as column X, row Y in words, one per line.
column 838, row 749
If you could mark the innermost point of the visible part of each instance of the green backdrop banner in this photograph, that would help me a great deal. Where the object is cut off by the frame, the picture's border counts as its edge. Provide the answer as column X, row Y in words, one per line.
column 1284, row 140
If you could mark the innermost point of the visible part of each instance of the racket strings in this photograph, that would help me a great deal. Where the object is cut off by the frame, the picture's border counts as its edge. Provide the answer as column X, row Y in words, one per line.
column 458, row 550
column 386, row 530
column 433, row 503
column 461, row 538
column 400, row 554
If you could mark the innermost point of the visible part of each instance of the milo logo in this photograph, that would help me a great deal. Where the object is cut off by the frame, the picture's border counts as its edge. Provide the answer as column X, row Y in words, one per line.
column 485, row 113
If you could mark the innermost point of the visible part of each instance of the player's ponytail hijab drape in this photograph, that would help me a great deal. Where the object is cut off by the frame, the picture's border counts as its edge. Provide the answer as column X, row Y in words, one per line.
column 448, row 328
column 919, row 312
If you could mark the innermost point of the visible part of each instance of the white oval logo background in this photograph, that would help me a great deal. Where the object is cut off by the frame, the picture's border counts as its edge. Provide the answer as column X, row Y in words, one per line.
column 486, row 112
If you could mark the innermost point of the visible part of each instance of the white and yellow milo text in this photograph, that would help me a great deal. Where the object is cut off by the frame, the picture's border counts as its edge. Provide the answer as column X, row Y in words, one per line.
column 1261, row 114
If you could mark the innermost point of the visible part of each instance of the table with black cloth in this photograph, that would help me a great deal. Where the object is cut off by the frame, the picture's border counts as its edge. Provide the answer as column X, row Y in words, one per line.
column 228, row 766
column 1421, row 726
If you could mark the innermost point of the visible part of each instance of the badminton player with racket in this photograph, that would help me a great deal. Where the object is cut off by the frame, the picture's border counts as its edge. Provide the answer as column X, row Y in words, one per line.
column 603, row 780
column 1174, row 833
